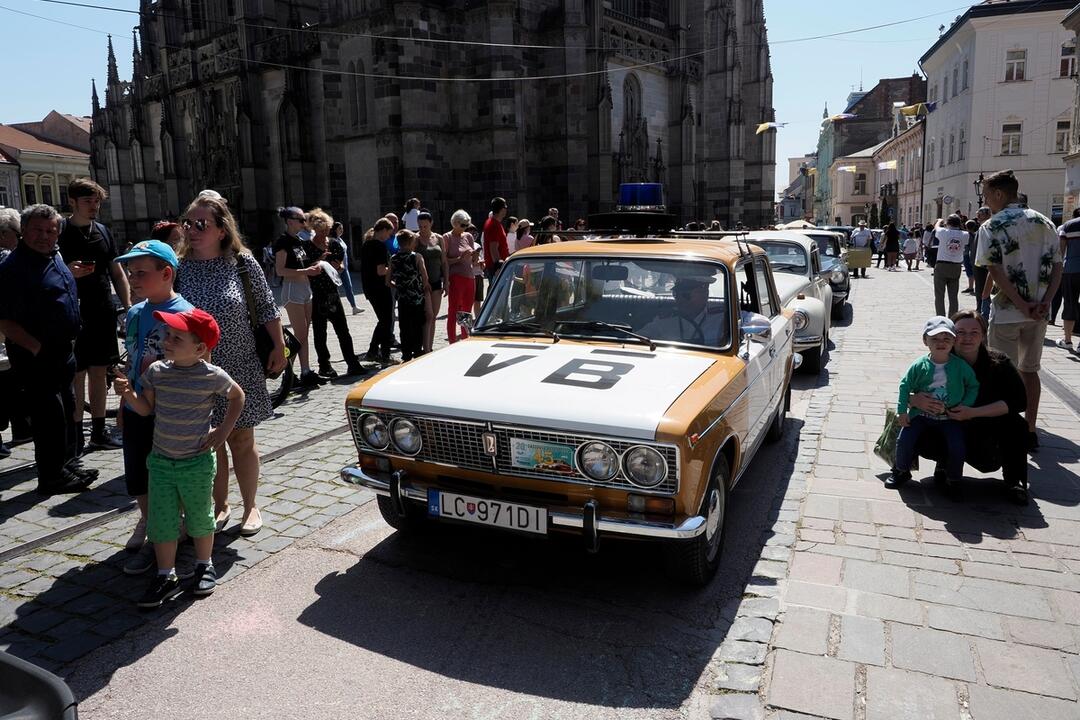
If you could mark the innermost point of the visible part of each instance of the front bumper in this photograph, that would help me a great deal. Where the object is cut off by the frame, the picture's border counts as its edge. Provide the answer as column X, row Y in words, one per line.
column 587, row 518
column 807, row 342
column 839, row 296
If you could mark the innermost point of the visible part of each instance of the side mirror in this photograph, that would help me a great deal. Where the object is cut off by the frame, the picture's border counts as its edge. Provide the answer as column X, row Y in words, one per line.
column 755, row 327
column 466, row 320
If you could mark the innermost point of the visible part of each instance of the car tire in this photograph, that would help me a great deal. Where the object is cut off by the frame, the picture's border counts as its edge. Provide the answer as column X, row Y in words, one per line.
column 413, row 521
column 812, row 360
column 776, row 427
column 838, row 311
column 695, row 562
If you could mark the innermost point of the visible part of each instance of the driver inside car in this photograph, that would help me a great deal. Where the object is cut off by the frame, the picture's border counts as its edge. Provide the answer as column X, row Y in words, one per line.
column 692, row 320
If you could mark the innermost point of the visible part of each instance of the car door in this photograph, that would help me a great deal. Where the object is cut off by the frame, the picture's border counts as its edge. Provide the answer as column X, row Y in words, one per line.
column 782, row 331
column 819, row 279
column 757, row 357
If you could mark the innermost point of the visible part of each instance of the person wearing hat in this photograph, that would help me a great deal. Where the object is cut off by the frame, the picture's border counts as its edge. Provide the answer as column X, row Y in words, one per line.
column 180, row 393
column 692, row 321
column 151, row 269
column 950, row 380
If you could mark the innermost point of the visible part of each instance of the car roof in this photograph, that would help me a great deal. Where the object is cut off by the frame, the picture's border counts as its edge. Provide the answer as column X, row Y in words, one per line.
column 837, row 235
column 785, row 236
column 725, row 250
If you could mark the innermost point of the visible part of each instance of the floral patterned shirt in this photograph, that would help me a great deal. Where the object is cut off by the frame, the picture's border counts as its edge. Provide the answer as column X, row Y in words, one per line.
column 1026, row 245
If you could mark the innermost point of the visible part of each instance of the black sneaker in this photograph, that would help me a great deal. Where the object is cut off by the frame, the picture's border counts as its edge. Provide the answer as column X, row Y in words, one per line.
column 75, row 467
column 141, row 561
column 385, row 359
column 66, row 484
column 205, row 580
column 1032, row 442
column 327, row 372
column 310, row 380
column 1017, row 494
column 897, row 478
column 355, row 368
column 372, row 356
column 162, row 588
column 104, row 441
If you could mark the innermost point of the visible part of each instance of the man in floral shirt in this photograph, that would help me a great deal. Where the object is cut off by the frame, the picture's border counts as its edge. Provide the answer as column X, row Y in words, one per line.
column 1020, row 249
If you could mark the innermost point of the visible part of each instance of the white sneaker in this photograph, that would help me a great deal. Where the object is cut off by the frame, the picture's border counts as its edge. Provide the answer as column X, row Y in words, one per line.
column 1065, row 345
column 138, row 536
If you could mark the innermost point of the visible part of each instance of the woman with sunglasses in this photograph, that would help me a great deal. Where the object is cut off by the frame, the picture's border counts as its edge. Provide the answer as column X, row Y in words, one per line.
column 208, row 277
column 295, row 267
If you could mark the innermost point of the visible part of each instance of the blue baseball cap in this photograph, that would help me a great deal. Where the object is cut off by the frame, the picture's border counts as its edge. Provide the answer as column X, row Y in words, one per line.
column 151, row 248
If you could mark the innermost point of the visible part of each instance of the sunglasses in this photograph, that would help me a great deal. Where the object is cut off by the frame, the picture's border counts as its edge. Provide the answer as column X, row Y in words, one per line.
column 199, row 224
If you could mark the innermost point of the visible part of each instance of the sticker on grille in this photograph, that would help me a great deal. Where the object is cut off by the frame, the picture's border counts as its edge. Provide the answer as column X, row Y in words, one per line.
column 459, row 443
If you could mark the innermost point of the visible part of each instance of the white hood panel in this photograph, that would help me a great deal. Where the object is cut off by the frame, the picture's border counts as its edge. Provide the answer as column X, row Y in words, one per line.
column 613, row 390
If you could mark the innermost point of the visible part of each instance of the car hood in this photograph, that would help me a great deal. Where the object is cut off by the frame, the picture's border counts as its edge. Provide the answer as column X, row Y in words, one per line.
column 614, row 390
column 788, row 285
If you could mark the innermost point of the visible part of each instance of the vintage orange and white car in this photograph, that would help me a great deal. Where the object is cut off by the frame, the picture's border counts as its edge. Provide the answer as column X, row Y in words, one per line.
column 610, row 388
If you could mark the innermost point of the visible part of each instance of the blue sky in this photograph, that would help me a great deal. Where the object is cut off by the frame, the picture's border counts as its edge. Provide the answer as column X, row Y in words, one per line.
column 54, row 62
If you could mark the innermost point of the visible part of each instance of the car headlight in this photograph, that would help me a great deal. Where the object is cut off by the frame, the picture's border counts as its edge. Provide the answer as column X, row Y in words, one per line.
column 644, row 466
column 837, row 276
column 374, row 432
column 598, row 461
column 800, row 320
column 406, row 436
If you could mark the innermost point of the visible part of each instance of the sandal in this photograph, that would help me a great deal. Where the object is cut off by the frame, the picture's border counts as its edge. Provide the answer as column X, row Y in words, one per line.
column 252, row 523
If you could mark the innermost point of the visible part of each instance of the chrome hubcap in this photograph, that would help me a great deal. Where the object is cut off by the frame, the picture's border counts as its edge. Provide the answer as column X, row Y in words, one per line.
column 714, row 517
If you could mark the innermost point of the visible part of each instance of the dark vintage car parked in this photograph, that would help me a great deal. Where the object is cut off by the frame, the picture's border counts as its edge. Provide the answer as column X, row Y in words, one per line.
column 834, row 264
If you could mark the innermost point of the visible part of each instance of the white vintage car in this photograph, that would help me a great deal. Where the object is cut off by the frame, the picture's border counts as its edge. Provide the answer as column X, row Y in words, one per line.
column 803, row 285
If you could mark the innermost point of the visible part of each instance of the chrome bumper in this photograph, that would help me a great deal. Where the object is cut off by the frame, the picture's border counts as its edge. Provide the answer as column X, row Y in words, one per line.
column 807, row 342
column 838, row 297
column 588, row 519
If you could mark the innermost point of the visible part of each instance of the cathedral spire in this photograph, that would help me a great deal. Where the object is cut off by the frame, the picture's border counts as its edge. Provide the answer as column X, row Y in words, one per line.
column 136, row 56
column 825, row 114
column 114, row 76
column 94, row 97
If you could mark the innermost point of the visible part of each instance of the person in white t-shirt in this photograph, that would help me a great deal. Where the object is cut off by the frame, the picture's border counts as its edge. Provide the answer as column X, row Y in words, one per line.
column 911, row 249
column 511, row 235
column 411, row 217
column 949, row 264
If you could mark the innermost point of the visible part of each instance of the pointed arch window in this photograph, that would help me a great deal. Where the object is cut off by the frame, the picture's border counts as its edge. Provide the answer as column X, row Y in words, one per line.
column 137, row 161
column 356, row 91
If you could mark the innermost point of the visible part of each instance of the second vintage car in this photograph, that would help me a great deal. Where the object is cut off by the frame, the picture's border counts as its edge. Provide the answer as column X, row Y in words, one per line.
column 610, row 388
column 804, row 288
column 833, row 256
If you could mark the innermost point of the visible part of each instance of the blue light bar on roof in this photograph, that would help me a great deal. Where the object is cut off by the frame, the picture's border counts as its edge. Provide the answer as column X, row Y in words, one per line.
column 641, row 196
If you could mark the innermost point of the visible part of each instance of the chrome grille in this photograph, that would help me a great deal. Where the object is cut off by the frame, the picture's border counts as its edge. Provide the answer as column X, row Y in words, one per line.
column 459, row 443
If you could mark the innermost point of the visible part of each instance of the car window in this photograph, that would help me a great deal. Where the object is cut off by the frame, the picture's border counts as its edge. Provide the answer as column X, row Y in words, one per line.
column 764, row 292
column 785, row 257
column 668, row 300
column 815, row 262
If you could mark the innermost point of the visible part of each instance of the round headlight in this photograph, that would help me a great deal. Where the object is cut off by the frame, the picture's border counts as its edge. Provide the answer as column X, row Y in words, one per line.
column 406, row 436
column 800, row 320
column 374, row 432
column 598, row 461
column 837, row 276
column 644, row 466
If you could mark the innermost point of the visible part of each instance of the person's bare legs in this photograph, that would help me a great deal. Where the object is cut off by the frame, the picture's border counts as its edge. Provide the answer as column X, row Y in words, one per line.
column 1067, row 328
column 165, row 554
column 80, row 395
column 221, row 486
column 98, row 386
column 436, row 306
column 204, row 546
column 245, row 457
column 1033, row 386
column 300, row 320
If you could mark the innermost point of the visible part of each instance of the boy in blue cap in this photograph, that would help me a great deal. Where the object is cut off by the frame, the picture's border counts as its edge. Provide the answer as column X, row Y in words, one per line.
column 151, row 267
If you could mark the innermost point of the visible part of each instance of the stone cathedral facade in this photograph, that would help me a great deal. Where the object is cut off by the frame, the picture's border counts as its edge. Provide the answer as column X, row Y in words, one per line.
column 338, row 103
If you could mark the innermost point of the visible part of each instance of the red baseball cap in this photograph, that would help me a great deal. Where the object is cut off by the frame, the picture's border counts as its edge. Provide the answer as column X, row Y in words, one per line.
column 196, row 321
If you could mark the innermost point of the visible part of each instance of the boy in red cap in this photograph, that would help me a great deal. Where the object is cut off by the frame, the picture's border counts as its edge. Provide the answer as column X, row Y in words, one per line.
column 179, row 391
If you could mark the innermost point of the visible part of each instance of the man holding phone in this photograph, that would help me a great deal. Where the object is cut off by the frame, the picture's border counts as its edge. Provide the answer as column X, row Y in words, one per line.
column 90, row 253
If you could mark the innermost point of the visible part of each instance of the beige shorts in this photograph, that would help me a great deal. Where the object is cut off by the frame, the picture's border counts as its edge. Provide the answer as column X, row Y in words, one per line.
column 1022, row 342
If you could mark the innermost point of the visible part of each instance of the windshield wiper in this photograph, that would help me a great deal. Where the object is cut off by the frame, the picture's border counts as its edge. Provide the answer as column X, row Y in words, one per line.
column 526, row 325
column 601, row 325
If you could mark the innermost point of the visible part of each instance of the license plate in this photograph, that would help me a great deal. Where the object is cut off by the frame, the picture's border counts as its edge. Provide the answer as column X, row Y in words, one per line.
column 548, row 457
column 496, row 513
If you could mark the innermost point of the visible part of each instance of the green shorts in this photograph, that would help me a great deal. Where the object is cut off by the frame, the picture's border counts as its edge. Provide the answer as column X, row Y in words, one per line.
column 184, row 483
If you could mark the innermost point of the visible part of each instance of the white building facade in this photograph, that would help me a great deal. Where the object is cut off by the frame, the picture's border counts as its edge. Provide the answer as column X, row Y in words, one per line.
column 1002, row 81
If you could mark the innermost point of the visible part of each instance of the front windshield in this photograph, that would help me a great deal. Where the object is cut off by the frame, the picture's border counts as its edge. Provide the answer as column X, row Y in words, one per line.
column 629, row 299
column 828, row 245
column 785, row 257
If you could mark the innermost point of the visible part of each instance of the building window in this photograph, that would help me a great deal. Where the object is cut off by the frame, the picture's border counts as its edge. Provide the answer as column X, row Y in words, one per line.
column 1010, row 138
column 941, row 151
column 137, row 161
column 930, row 155
column 965, row 74
column 933, row 94
column 46, row 194
column 962, row 149
column 1015, row 65
column 1057, row 208
column 30, row 194
column 357, row 96
column 945, row 89
column 952, row 148
column 1068, row 60
column 860, row 184
column 903, row 164
column 4, row 201
column 1061, row 136
column 955, row 81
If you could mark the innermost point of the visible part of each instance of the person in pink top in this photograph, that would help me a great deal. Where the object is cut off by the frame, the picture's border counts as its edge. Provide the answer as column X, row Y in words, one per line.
column 524, row 237
column 495, row 249
column 459, row 260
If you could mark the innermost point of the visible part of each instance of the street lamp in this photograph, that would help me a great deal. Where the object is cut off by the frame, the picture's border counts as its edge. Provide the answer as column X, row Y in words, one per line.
column 978, row 189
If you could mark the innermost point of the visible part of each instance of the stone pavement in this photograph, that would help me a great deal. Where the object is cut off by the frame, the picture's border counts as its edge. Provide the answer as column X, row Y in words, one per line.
column 897, row 606
column 62, row 595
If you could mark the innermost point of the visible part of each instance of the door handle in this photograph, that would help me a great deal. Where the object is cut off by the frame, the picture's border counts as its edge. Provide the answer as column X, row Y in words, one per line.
column 772, row 352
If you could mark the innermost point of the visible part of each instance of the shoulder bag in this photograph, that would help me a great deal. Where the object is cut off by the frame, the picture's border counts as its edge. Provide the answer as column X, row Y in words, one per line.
column 264, row 344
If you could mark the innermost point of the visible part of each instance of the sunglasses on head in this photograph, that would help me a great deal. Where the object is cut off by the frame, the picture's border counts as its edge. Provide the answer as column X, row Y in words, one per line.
column 199, row 224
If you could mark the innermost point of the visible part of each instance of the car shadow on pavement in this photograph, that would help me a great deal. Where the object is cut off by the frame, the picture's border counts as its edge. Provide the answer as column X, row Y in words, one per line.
column 545, row 618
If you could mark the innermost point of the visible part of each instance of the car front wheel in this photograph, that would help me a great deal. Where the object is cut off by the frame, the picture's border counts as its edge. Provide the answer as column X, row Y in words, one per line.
column 413, row 521
column 694, row 562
